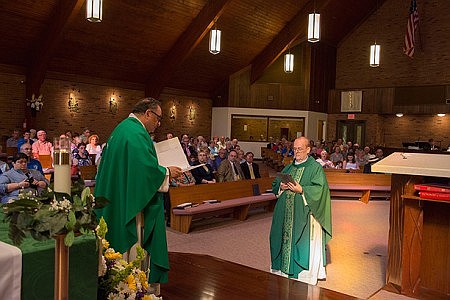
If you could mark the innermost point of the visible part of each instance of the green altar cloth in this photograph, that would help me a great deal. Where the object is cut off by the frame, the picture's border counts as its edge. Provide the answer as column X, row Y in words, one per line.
column 38, row 263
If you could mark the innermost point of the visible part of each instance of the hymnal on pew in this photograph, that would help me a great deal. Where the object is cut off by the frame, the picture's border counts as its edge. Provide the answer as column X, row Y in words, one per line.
column 435, row 196
column 432, row 187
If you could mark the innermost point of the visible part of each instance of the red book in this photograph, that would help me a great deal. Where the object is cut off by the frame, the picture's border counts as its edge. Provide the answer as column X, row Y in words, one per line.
column 435, row 196
column 432, row 187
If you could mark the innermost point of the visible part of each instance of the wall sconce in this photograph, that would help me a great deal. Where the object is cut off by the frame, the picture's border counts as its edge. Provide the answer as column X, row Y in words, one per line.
column 289, row 62
column 173, row 112
column 72, row 104
column 192, row 113
column 399, row 115
column 35, row 104
column 94, row 10
column 214, row 40
column 441, row 115
column 113, row 105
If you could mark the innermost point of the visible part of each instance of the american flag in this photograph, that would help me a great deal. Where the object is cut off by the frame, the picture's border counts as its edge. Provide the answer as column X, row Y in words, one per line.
column 413, row 22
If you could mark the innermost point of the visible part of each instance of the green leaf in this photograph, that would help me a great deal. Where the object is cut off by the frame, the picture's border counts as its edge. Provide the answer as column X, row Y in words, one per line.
column 85, row 194
column 52, row 223
column 70, row 237
column 77, row 203
column 15, row 234
column 72, row 218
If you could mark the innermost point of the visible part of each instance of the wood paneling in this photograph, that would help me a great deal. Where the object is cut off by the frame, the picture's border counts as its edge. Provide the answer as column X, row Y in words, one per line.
column 136, row 38
column 416, row 95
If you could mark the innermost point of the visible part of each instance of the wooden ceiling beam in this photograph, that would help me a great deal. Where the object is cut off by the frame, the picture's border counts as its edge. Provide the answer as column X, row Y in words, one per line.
column 295, row 30
column 183, row 47
column 64, row 12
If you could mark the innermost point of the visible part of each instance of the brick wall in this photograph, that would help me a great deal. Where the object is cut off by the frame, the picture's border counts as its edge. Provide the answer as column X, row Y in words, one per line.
column 94, row 109
column 431, row 62
column 430, row 66
column 412, row 128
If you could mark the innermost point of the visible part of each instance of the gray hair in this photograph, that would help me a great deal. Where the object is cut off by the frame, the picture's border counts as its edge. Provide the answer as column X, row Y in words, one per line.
column 144, row 104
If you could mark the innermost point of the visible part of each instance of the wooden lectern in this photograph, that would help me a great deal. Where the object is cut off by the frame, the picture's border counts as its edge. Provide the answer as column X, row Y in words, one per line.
column 419, row 230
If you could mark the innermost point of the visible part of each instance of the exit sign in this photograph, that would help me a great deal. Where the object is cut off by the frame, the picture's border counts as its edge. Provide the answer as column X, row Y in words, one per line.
column 351, row 116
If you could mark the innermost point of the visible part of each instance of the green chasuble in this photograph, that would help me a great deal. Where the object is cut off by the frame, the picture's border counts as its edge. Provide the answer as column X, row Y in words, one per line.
column 290, row 231
column 129, row 176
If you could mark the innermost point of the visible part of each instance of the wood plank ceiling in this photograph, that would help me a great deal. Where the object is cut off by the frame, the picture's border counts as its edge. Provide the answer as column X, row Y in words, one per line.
column 163, row 44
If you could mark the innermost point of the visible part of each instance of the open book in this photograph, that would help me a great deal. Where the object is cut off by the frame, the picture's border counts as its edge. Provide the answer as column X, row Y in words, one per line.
column 170, row 153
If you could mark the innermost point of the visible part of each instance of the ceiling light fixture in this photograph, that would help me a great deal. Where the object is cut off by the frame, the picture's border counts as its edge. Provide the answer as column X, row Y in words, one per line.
column 214, row 40
column 94, row 10
column 375, row 55
column 289, row 62
column 375, row 48
column 314, row 26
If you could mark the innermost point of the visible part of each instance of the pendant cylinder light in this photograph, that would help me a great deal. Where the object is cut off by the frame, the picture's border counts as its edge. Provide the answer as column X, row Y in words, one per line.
column 94, row 10
column 214, row 41
column 375, row 55
column 289, row 63
column 314, row 27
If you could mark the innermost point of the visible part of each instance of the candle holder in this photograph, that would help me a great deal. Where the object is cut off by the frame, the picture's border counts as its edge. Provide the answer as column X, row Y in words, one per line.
column 62, row 184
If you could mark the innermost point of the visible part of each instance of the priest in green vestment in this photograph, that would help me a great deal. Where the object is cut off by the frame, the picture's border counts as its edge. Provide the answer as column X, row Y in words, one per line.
column 130, row 177
column 301, row 224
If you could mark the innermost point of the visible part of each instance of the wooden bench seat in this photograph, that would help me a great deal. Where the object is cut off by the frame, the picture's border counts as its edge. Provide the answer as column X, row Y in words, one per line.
column 236, row 198
column 361, row 185
column 238, row 207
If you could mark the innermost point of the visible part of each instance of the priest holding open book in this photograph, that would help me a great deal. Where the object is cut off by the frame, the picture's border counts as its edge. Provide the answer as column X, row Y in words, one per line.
column 301, row 223
column 131, row 178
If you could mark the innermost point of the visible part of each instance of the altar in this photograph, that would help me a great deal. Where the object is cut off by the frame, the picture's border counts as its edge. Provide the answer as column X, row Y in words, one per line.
column 38, row 260
column 419, row 230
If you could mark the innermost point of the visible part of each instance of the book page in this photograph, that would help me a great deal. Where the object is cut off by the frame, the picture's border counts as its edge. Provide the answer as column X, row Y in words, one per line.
column 170, row 153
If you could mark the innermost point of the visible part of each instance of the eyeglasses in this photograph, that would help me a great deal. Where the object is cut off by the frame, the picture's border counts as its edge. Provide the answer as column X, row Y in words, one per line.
column 26, row 148
column 159, row 117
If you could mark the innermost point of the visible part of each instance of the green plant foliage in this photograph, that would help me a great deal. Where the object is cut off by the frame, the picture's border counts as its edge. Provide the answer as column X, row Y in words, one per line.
column 53, row 214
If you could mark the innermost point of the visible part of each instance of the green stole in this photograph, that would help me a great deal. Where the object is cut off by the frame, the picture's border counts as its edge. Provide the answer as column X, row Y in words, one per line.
column 288, row 223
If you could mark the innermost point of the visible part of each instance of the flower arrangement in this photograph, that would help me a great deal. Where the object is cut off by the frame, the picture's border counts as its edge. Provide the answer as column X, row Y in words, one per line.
column 119, row 280
column 53, row 213
column 35, row 103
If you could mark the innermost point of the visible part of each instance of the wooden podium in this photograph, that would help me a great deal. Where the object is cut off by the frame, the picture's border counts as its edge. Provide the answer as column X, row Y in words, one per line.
column 419, row 230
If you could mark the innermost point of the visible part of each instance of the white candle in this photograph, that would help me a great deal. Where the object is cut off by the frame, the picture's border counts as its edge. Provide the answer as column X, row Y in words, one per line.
column 61, row 163
column 62, row 179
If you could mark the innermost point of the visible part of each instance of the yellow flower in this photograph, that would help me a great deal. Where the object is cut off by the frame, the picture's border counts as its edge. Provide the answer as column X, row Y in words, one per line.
column 147, row 297
column 105, row 244
column 114, row 255
column 131, row 282
column 143, row 279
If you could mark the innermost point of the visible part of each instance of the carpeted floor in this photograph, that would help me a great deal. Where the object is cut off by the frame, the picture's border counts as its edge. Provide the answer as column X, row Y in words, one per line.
column 357, row 252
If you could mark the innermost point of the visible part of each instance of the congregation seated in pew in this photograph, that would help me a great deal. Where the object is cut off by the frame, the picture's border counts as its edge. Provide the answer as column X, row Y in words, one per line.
column 203, row 174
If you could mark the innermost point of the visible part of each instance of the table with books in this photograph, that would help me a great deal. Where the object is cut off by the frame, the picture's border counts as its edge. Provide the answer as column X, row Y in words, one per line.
column 419, row 230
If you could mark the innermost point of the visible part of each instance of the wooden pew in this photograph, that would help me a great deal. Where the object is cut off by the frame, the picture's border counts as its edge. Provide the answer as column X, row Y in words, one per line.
column 47, row 165
column 235, row 197
column 359, row 185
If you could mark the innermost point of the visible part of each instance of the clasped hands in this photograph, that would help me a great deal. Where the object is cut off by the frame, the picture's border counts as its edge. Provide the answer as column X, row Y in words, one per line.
column 293, row 186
